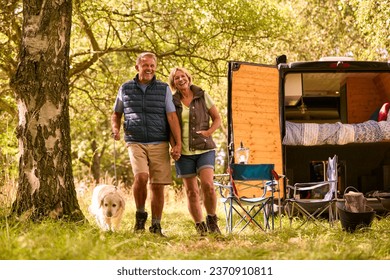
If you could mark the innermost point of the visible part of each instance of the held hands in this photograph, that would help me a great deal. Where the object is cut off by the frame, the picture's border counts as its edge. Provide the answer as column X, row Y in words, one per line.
column 176, row 152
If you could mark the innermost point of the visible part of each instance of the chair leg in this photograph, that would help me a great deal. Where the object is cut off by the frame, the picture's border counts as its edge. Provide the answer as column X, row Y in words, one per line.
column 267, row 214
column 333, row 214
column 272, row 211
column 289, row 210
column 311, row 216
column 249, row 216
column 249, row 219
column 230, row 224
column 229, row 216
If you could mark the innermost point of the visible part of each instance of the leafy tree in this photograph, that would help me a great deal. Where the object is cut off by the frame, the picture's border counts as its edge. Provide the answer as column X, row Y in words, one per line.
column 10, row 22
column 200, row 35
column 372, row 18
column 354, row 28
column 9, row 40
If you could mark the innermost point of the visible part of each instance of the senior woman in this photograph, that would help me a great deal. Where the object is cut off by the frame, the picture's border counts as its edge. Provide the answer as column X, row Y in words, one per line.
column 195, row 108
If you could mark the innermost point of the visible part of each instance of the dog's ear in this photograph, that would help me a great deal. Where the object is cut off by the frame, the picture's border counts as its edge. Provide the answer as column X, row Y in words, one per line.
column 101, row 202
column 123, row 203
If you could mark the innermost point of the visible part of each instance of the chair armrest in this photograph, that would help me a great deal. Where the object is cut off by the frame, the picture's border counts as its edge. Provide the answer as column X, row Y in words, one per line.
column 222, row 184
column 221, row 175
column 310, row 186
column 219, row 185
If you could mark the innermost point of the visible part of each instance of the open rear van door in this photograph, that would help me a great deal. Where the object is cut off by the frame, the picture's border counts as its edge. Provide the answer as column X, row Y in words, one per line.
column 254, row 113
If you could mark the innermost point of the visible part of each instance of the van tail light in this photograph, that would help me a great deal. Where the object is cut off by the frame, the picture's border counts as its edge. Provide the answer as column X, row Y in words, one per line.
column 340, row 64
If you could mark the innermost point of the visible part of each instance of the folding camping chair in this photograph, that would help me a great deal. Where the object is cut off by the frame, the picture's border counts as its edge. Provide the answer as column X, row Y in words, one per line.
column 249, row 191
column 312, row 209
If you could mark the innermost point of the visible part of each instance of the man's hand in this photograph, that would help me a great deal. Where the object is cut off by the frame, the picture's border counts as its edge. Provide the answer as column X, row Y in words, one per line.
column 176, row 152
column 116, row 135
column 115, row 125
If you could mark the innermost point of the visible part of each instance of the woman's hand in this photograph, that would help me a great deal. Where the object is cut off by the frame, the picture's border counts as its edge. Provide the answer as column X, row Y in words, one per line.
column 176, row 152
column 204, row 133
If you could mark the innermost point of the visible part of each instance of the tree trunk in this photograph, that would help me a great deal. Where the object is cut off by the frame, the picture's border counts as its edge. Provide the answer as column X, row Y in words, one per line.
column 45, row 186
column 96, row 159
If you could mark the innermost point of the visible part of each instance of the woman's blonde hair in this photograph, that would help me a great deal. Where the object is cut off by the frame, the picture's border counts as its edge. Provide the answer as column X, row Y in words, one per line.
column 172, row 76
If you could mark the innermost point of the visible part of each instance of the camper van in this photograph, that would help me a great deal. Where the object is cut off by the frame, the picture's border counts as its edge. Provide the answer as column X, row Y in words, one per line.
column 297, row 115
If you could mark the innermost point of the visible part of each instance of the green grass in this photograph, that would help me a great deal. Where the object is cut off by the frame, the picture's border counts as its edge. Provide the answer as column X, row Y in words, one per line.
column 58, row 240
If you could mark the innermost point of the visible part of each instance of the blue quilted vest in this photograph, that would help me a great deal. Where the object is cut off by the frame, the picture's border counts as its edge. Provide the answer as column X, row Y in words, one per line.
column 145, row 115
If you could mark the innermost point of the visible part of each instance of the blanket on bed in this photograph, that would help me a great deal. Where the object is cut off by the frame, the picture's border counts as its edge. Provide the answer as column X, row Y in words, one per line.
column 313, row 134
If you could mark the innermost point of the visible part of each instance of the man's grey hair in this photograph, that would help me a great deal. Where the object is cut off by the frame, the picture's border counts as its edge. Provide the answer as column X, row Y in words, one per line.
column 146, row 54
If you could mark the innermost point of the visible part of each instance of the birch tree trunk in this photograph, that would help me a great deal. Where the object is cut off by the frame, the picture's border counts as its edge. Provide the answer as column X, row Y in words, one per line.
column 45, row 185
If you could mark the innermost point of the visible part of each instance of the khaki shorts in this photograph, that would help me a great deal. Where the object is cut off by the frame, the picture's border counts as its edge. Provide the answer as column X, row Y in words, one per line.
column 153, row 159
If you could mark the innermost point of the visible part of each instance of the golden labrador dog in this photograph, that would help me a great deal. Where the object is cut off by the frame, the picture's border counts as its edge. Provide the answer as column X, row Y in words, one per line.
column 107, row 205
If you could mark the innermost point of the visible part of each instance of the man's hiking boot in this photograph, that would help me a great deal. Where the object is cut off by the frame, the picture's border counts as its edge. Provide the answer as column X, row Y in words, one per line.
column 201, row 228
column 140, row 220
column 212, row 225
column 156, row 229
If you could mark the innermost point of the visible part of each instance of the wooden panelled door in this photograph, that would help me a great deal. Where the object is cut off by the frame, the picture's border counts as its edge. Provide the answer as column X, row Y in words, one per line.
column 254, row 113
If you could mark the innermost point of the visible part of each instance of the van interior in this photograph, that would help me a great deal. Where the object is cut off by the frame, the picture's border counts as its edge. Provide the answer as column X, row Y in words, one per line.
column 348, row 98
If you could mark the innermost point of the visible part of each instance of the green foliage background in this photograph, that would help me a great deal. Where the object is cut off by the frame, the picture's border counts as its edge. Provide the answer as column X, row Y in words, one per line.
column 201, row 35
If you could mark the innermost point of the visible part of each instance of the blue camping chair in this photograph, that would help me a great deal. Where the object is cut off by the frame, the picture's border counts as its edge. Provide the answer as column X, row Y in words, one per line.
column 249, row 191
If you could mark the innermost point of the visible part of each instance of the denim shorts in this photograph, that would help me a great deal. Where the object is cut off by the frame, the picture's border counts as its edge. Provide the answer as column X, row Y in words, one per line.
column 190, row 165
